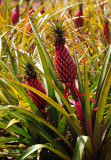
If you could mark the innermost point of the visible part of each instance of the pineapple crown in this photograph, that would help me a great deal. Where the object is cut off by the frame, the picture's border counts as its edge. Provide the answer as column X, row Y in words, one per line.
column 80, row 6
column 58, row 29
column 30, row 71
column 106, row 21
column 17, row 7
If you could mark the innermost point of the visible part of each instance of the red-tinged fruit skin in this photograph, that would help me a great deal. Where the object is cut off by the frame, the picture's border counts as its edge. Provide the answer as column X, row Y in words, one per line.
column 65, row 66
column 79, row 20
column 67, row 73
column 37, row 100
column 106, row 32
column 32, row 81
column 15, row 15
column 42, row 11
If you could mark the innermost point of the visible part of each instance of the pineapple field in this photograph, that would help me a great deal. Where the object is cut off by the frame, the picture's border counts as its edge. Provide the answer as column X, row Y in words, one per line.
column 55, row 80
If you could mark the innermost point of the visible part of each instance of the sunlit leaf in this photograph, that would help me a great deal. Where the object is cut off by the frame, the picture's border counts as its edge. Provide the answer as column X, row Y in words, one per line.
column 12, row 122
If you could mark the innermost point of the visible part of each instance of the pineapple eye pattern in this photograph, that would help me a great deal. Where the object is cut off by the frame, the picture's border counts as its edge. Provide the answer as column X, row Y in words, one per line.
column 32, row 81
column 65, row 66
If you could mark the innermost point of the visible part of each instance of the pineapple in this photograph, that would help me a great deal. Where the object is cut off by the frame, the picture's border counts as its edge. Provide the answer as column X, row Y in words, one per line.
column 15, row 15
column 106, row 32
column 28, row 28
column 64, row 65
column 79, row 20
column 42, row 11
column 32, row 81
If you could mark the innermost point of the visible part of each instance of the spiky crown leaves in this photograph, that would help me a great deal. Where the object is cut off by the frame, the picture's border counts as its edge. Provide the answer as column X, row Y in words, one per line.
column 58, row 29
column 30, row 71
column 80, row 6
column 17, row 7
column 106, row 21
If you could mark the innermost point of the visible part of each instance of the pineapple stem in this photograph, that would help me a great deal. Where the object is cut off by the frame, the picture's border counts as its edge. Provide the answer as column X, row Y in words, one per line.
column 77, row 103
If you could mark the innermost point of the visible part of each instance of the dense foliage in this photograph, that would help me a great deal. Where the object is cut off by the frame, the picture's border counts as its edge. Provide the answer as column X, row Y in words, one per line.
column 55, row 78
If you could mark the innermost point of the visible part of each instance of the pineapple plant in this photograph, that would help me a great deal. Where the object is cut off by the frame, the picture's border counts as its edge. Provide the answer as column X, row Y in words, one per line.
column 28, row 28
column 106, row 33
column 42, row 11
column 15, row 15
column 65, row 66
column 32, row 81
column 79, row 20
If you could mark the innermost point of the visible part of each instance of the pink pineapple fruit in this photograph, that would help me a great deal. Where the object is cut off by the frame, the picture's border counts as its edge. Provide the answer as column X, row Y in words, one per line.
column 65, row 66
column 32, row 81
column 15, row 15
column 106, row 32
column 42, row 10
column 79, row 20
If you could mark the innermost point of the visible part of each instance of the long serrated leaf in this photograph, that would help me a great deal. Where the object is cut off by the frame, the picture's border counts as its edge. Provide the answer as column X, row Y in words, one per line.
column 62, row 125
column 10, row 70
column 103, row 73
column 40, row 146
column 6, row 10
column 26, row 10
column 88, row 123
column 100, row 111
column 11, row 58
column 52, row 111
column 5, row 92
column 12, row 122
column 13, row 139
column 46, row 71
column 12, row 147
column 79, row 149
column 107, row 118
column 79, row 79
